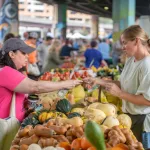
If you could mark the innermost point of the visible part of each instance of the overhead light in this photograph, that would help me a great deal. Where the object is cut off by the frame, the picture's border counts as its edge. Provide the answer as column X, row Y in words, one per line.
column 106, row 8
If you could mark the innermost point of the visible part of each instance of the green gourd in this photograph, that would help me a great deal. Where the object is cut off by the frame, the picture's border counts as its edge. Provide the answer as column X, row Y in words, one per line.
column 95, row 135
column 74, row 114
column 63, row 106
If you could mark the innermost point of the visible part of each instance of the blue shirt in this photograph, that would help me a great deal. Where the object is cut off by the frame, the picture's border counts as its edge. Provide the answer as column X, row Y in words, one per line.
column 104, row 48
column 91, row 54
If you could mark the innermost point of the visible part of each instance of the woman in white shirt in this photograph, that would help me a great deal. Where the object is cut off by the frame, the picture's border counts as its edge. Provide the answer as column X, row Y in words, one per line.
column 134, row 85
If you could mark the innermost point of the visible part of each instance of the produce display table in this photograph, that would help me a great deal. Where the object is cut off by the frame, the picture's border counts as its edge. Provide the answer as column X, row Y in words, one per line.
column 60, row 124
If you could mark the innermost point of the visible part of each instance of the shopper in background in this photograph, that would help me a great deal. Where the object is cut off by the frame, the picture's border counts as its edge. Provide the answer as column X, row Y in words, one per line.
column 104, row 48
column 43, row 51
column 66, row 49
column 116, row 52
column 32, row 59
column 25, row 36
column 13, row 56
column 53, row 59
column 8, row 36
column 134, row 85
column 93, row 57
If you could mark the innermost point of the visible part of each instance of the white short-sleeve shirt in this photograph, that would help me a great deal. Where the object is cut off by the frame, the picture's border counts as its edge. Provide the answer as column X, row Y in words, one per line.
column 135, row 79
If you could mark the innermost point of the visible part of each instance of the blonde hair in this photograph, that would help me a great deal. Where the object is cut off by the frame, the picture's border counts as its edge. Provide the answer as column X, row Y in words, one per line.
column 135, row 31
column 56, row 43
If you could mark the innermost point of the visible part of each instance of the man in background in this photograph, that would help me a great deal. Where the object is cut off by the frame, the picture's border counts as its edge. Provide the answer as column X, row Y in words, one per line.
column 43, row 50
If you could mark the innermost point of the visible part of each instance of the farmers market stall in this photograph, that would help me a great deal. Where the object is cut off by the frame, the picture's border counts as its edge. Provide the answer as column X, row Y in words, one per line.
column 83, row 118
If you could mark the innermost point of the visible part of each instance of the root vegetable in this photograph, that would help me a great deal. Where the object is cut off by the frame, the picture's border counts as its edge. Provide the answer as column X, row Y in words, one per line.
column 122, row 137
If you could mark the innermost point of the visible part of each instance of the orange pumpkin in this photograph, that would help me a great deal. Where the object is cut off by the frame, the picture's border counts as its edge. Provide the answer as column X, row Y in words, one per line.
column 76, row 144
column 85, row 144
column 120, row 147
column 64, row 145
column 91, row 148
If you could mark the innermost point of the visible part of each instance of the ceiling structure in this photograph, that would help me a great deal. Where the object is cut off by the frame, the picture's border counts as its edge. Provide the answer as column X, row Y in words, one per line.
column 101, row 8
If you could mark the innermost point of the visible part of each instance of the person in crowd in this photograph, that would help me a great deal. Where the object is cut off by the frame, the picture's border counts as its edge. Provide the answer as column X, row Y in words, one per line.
column 104, row 48
column 116, row 52
column 43, row 51
column 8, row 36
column 66, row 49
column 134, row 85
column 76, row 44
column 25, row 36
column 11, row 35
column 93, row 57
column 13, row 56
column 53, row 60
column 32, row 59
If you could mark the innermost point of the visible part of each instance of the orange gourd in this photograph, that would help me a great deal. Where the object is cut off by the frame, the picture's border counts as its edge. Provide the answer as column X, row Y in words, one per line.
column 76, row 144
column 85, row 144
column 120, row 147
column 91, row 148
column 64, row 145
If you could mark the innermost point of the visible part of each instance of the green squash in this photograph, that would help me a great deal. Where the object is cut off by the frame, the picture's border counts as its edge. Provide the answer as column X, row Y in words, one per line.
column 63, row 106
column 95, row 135
column 29, row 121
column 74, row 114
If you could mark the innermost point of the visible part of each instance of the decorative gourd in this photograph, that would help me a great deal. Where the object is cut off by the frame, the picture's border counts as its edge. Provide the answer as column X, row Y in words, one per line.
column 108, row 109
column 64, row 145
column 125, row 120
column 85, row 144
column 75, row 121
column 74, row 114
column 111, row 121
column 34, row 147
column 63, row 106
column 95, row 135
column 29, row 121
column 119, row 147
column 95, row 114
column 53, row 148
column 24, row 147
column 78, row 110
column 91, row 148
column 76, row 144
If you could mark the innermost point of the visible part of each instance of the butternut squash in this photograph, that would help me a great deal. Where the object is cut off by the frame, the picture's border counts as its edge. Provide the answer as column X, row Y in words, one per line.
column 40, row 130
column 30, row 140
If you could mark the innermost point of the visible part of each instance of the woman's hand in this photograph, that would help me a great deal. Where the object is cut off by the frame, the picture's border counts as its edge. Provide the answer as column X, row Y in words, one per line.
column 91, row 81
column 113, row 89
column 69, row 84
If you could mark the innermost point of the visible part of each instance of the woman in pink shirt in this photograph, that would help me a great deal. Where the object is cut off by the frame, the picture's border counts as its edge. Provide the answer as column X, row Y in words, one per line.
column 13, row 56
